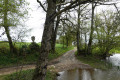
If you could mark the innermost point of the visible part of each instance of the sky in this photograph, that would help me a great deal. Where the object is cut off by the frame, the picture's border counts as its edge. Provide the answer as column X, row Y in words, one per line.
column 37, row 19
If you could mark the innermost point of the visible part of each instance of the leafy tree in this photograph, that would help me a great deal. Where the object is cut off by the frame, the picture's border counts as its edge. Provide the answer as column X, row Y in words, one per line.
column 89, row 50
column 54, row 31
column 11, row 14
column 107, row 30
column 41, row 67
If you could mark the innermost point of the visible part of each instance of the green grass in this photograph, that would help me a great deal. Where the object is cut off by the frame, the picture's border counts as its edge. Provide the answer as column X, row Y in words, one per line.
column 94, row 61
column 59, row 51
column 8, row 60
column 26, row 75
column 2, row 77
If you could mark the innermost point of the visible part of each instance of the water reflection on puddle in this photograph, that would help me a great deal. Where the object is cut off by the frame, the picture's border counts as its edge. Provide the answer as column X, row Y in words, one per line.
column 79, row 74
column 96, row 74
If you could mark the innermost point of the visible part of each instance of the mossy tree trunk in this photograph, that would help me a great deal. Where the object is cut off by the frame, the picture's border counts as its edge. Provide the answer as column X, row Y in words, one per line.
column 78, row 32
column 41, row 67
column 6, row 27
column 54, row 34
column 89, row 49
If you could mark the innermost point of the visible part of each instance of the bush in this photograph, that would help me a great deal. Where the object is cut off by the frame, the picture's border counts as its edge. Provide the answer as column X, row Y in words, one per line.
column 34, row 47
column 22, row 75
column 23, row 50
column 3, row 50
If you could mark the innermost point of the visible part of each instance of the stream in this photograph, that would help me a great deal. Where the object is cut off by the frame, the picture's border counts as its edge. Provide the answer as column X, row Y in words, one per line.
column 96, row 74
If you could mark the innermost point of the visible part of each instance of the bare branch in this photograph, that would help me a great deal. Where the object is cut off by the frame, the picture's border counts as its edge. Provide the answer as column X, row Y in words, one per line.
column 72, row 5
column 42, row 5
column 104, row 3
column 116, row 8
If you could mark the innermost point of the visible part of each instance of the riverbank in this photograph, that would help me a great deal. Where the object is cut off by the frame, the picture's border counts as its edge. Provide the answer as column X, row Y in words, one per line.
column 94, row 61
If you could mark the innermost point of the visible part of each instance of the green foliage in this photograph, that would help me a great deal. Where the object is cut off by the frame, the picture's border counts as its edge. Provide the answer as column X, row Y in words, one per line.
column 2, row 77
column 34, row 47
column 115, row 50
column 3, row 50
column 66, row 33
column 6, row 59
column 59, row 51
column 106, row 33
column 22, row 75
column 27, row 75
column 16, row 10
column 95, row 61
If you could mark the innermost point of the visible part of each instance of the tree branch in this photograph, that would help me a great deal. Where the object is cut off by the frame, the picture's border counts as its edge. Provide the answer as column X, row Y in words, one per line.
column 42, row 5
column 116, row 8
column 72, row 5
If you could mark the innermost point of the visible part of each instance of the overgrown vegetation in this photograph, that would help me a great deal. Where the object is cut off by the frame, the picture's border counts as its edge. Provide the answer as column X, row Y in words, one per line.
column 25, row 57
column 94, row 61
column 7, row 60
column 27, row 75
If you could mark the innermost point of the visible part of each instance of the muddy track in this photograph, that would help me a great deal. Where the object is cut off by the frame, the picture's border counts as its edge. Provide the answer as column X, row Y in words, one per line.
column 68, row 61
column 64, row 62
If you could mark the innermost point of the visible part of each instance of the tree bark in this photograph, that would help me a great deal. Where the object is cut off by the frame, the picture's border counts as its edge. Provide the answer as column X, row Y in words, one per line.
column 89, row 50
column 67, row 40
column 85, row 43
column 78, row 32
column 12, row 48
column 41, row 66
column 54, row 34
column 78, row 44
column 6, row 27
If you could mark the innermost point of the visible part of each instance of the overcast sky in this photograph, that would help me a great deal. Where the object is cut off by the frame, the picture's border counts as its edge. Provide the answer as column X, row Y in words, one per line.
column 37, row 18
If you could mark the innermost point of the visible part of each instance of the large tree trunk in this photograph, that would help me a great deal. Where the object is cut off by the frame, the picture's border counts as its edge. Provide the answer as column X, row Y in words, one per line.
column 6, row 27
column 78, row 40
column 12, row 48
column 54, row 34
column 78, row 32
column 89, row 50
column 67, row 41
column 41, row 66
column 63, row 42
column 85, row 43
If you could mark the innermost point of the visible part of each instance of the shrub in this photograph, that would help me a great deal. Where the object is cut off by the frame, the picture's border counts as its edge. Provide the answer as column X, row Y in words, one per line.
column 4, row 50
column 34, row 47
column 23, row 50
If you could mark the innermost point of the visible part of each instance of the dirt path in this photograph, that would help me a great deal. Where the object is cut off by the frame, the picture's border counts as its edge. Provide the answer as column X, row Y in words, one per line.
column 65, row 62
column 68, row 61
